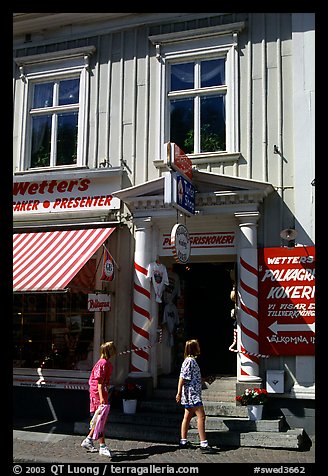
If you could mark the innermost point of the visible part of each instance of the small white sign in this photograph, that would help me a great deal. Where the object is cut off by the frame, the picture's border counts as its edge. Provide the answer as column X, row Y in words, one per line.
column 99, row 302
column 181, row 245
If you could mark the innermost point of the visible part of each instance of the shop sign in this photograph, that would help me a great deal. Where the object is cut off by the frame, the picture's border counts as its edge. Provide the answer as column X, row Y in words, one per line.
column 62, row 195
column 286, row 303
column 180, row 243
column 49, row 382
column 179, row 192
column 177, row 160
column 206, row 242
column 99, row 302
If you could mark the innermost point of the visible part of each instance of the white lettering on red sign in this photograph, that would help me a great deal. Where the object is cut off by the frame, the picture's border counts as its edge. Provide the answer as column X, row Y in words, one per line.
column 286, row 305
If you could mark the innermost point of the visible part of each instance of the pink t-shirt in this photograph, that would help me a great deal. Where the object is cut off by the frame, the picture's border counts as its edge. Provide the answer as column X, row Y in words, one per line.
column 100, row 373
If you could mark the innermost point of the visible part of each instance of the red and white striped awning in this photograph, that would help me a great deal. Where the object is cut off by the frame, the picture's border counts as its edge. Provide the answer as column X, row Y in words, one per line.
column 48, row 261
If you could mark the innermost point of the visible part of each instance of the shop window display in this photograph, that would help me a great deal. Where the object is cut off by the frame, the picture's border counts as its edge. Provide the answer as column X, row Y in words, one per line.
column 53, row 331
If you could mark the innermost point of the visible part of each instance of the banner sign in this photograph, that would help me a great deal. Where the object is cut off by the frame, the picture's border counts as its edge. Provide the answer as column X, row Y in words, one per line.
column 99, row 302
column 286, row 300
column 204, row 243
column 62, row 195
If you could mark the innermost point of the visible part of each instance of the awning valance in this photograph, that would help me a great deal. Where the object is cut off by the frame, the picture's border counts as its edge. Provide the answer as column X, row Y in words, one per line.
column 48, row 261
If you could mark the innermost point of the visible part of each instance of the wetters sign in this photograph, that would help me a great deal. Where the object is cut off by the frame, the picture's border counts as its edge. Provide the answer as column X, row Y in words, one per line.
column 286, row 290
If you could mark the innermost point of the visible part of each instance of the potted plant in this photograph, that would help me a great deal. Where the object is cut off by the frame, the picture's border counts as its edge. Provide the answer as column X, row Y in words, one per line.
column 130, row 393
column 254, row 399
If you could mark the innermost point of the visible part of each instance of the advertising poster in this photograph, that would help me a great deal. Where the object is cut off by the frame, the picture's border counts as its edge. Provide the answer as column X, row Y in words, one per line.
column 286, row 290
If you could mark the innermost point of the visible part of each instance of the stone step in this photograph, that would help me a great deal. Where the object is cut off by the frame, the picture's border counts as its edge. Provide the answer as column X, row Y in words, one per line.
column 211, row 422
column 229, row 409
column 168, row 406
column 292, row 439
column 241, row 424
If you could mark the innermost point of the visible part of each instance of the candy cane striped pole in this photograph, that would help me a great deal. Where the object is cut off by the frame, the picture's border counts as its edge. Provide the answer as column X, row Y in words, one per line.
column 231, row 348
column 248, row 313
column 141, row 316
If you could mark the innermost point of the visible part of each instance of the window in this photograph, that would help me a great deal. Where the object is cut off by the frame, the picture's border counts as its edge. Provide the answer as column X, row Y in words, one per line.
column 55, row 110
column 197, row 96
column 53, row 331
column 54, row 123
column 198, row 75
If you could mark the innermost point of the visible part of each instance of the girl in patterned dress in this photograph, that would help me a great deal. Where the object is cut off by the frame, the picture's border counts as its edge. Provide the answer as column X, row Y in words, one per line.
column 190, row 396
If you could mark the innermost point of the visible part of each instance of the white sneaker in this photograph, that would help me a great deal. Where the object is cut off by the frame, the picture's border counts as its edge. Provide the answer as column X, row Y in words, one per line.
column 87, row 443
column 104, row 450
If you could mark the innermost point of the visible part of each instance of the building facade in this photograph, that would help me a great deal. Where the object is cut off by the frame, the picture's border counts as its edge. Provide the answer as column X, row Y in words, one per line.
column 163, row 189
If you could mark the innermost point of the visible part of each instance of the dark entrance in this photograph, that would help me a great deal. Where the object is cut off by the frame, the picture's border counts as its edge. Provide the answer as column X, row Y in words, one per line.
column 207, row 314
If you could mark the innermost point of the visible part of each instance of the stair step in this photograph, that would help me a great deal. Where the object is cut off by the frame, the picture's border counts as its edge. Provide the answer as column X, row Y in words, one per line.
column 211, row 423
column 227, row 424
column 240, row 424
column 292, row 439
column 164, row 434
column 136, row 432
column 229, row 409
column 145, row 418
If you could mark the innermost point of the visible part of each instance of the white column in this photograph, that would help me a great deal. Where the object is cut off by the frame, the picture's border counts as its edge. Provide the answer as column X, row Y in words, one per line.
column 247, row 298
column 141, row 315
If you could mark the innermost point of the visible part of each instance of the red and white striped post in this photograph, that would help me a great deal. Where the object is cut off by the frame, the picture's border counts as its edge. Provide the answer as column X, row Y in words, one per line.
column 247, row 299
column 141, row 314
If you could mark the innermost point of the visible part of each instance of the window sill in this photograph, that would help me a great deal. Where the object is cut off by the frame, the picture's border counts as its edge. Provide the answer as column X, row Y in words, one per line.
column 206, row 158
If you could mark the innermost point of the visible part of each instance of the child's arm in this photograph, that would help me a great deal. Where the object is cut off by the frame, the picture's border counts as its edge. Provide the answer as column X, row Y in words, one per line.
column 101, row 390
column 180, row 385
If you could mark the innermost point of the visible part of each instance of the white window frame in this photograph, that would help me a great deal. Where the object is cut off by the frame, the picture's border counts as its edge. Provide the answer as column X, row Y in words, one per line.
column 61, row 65
column 193, row 45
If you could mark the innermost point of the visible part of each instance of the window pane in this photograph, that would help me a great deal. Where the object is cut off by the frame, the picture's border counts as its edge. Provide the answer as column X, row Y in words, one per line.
column 67, row 139
column 212, row 124
column 41, row 141
column 182, row 124
column 182, row 76
column 212, row 73
column 53, row 330
column 69, row 91
column 43, row 95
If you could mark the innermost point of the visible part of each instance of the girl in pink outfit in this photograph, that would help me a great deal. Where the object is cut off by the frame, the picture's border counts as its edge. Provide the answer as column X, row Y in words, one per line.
column 98, row 392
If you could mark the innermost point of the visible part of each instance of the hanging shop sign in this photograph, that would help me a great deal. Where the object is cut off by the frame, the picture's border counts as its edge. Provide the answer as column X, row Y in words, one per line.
column 99, row 302
column 181, row 245
column 177, row 160
column 179, row 192
column 286, row 305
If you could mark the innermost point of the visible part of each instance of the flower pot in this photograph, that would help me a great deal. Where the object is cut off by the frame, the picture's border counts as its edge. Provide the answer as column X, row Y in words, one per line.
column 129, row 406
column 255, row 412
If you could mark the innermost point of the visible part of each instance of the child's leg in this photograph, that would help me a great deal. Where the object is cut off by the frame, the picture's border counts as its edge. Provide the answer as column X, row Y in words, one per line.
column 188, row 414
column 200, row 413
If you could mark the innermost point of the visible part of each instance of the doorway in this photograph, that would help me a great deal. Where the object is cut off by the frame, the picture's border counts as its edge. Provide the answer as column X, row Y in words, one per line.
column 206, row 316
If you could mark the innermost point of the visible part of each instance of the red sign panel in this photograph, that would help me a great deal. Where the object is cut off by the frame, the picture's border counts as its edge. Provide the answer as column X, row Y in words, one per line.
column 178, row 160
column 286, row 290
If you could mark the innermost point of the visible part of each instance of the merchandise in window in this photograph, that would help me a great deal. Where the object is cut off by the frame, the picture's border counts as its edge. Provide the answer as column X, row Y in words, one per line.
column 53, row 331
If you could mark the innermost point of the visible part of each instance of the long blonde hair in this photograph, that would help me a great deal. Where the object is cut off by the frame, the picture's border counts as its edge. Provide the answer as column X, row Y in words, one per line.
column 107, row 350
column 192, row 348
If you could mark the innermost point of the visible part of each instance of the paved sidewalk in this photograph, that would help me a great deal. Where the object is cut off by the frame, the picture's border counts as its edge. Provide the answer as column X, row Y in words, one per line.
column 37, row 447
